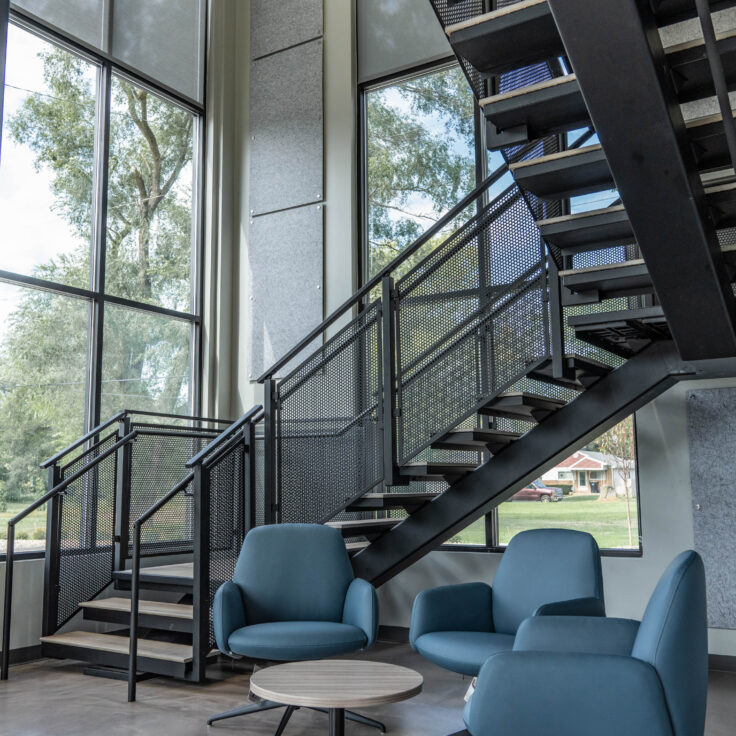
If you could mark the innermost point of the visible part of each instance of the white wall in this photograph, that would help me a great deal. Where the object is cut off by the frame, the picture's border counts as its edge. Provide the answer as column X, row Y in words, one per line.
column 666, row 518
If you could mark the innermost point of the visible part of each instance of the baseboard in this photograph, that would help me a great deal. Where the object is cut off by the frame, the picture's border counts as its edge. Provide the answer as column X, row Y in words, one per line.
column 722, row 663
column 394, row 634
column 25, row 654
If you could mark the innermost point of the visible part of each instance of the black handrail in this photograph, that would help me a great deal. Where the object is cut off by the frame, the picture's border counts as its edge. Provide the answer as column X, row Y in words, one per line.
column 237, row 424
column 92, row 433
column 10, row 552
column 135, row 578
column 488, row 182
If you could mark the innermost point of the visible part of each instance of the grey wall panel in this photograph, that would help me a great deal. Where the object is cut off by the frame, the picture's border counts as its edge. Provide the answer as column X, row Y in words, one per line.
column 286, row 129
column 286, row 282
column 711, row 425
column 275, row 26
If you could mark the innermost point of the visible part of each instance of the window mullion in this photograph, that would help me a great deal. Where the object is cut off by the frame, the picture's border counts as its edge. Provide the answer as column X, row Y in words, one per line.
column 102, row 149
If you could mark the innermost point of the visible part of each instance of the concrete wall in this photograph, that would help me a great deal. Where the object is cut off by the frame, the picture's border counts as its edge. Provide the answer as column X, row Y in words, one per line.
column 666, row 518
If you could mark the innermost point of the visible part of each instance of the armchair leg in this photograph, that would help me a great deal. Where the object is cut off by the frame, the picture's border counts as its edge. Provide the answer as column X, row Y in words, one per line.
column 244, row 710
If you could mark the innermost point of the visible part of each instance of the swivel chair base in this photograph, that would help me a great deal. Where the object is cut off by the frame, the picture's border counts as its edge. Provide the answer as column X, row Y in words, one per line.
column 269, row 705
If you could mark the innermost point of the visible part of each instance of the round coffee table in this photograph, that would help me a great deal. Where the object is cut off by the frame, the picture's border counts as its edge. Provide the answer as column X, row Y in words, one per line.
column 334, row 685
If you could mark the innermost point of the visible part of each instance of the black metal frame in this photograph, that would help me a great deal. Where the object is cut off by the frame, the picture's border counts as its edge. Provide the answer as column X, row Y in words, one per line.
column 95, row 295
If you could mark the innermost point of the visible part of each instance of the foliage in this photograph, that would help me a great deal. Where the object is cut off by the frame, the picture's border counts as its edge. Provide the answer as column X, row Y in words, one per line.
column 420, row 161
column 43, row 359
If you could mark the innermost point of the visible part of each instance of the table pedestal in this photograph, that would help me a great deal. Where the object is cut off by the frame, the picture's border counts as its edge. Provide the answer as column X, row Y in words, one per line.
column 337, row 722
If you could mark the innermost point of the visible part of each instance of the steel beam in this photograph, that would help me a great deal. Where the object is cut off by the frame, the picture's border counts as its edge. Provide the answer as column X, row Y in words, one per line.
column 617, row 55
column 602, row 406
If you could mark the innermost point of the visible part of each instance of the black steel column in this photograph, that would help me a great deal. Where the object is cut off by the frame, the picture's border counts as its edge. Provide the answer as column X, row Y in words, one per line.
column 122, row 498
column 249, row 510
column 617, row 55
column 201, row 591
column 270, row 456
column 390, row 410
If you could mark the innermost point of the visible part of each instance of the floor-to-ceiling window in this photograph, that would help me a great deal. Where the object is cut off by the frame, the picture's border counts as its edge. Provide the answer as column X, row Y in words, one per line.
column 99, row 237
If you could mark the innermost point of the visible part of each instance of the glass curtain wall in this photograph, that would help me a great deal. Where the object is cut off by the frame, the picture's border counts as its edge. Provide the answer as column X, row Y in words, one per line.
column 99, row 203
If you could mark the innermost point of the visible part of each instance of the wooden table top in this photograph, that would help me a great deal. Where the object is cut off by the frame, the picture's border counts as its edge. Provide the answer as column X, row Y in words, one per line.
column 336, row 683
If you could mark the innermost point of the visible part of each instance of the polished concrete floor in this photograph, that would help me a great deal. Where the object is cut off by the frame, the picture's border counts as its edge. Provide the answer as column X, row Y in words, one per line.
column 54, row 698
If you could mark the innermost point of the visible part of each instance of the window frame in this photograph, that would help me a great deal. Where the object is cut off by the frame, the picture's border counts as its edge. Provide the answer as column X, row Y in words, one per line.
column 363, row 259
column 95, row 295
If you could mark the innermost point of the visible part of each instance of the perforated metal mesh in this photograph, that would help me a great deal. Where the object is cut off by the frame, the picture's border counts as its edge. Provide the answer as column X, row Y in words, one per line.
column 227, row 527
column 86, row 530
column 328, row 438
column 158, row 463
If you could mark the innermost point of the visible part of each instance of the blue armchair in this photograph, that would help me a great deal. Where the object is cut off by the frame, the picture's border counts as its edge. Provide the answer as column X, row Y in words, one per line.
column 543, row 572
column 581, row 676
column 293, row 597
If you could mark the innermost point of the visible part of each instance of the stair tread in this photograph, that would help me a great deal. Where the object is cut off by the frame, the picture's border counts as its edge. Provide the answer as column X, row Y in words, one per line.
column 356, row 546
column 182, row 570
column 528, row 90
column 400, row 496
column 484, row 432
column 362, row 523
column 146, row 607
column 147, row 648
column 527, row 396
column 590, row 214
column 602, row 267
column 493, row 15
column 643, row 313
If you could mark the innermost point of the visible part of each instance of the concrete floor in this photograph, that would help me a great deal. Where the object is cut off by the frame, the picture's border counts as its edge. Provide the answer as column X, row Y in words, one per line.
column 54, row 698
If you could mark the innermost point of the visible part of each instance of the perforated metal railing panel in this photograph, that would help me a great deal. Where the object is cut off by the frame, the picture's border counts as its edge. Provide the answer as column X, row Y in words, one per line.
column 86, row 530
column 327, row 434
column 227, row 526
column 158, row 463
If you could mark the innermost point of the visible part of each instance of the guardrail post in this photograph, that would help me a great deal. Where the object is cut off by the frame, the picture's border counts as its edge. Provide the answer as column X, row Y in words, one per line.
column 134, row 597
column 270, row 504
column 201, row 592
column 7, row 604
column 53, row 551
column 556, row 319
column 390, row 411
column 122, row 498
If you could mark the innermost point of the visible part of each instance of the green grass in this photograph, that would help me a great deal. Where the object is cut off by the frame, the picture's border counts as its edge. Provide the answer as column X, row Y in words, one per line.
column 33, row 524
column 605, row 520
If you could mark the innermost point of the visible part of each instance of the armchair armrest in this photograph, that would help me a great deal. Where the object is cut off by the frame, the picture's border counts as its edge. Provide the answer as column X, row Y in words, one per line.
column 361, row 609
column 580, row 634
column 465, row 607
column 573, row 607
column 548, row 694
column 228, row 614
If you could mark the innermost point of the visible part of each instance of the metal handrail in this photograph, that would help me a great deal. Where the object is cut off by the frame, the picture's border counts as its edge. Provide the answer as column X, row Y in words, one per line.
column 237, row 424
column 10, row 552
column 488, row 182
column 135, row 578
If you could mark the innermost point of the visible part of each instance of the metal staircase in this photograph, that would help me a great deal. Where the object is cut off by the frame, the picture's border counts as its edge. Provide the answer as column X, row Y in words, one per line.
column 522, row 331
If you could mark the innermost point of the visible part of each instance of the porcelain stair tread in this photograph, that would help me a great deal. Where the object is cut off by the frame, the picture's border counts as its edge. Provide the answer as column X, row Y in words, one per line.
column 379, row 501
column 354, row 525
column 145, row 607
column 147, row 648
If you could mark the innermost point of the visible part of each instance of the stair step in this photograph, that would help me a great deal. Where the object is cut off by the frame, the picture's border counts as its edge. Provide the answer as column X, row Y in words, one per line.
column 509, row 38
column 579, row 372
column 630, row 278
column 448, row 472
column 363, row 527
column 522, row 405
column 565, row 174
column 722, row 202
column 476, row 439
column 354, row 547
column 157, row 657
column 623, row 333
column 381, row 501
column 553, row 106
column 148, row 608
column 691, row 70
column 179, row 577
column 587, row 231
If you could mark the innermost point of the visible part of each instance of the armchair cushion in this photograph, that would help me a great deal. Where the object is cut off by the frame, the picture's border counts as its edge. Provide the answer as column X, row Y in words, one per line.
column 549, row 694
column 577, row 634
column 228, row 614
column 465, row 607
column 462, row 651
column 296, row 640
column 361, row 609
